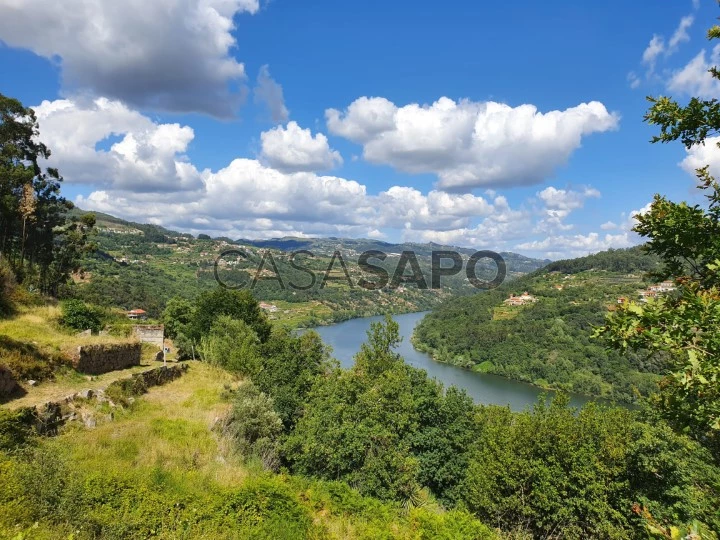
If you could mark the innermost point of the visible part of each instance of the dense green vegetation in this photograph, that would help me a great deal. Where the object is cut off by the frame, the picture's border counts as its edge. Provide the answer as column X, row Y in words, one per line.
column 549, row 342
column 157, row 471
column 389, row 431
column 386, row 429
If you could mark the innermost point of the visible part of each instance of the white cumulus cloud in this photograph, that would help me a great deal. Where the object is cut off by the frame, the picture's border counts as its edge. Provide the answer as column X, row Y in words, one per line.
column 694, row 79
column 139, row 169
column 161, row 54
column 469, row 144
column 700, row 155
column 142, row 155
column 293, row 149
column 558, row 204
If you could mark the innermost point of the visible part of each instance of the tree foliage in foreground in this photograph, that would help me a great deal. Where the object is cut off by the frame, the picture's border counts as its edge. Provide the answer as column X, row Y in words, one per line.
column 687, row 239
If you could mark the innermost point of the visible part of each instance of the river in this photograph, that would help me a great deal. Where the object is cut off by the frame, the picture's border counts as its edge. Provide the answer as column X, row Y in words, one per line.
column 345, row 339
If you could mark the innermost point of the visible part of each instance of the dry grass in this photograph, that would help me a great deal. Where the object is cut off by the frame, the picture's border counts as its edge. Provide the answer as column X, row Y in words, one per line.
column 39, row 326
column 35, row 346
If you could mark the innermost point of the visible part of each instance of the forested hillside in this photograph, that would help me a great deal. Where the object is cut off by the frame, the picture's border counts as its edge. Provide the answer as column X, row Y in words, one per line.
column 548, row 341
column 144, row 266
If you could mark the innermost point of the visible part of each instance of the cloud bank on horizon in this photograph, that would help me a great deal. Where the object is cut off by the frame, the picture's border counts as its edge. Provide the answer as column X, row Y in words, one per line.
column 135, row 75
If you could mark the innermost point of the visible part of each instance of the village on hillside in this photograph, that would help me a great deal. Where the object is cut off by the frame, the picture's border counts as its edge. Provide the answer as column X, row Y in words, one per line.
column 652, row 291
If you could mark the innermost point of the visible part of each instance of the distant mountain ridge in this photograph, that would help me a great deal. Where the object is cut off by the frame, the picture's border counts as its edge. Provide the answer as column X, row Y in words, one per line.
column 141, row 265
column 324, row 245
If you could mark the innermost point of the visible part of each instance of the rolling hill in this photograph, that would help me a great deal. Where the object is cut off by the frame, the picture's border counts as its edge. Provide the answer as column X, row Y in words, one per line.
column 538, row 328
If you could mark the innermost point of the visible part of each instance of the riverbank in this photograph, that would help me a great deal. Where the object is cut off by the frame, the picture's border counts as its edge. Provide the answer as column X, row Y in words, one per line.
column 543, row 388
column 345, row 338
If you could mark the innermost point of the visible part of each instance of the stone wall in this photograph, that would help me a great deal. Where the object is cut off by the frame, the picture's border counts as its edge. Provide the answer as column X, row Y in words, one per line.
column 7, row 382
column 48, row 418
column 148, row 333
column 97, row 359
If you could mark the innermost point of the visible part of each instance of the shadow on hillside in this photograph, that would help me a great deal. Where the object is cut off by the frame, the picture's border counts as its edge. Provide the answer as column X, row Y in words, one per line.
column 17, row 393
column 26, row 362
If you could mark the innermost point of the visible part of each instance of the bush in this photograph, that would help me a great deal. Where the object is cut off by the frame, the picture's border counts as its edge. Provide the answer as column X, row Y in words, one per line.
column 266, row 508
column 253, row 425
column 590, row 474
column 16, row 428
column 238, row 305
column 79, row 316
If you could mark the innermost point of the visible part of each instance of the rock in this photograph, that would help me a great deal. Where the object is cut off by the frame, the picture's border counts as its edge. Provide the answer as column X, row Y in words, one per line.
column 85, row 394
column 32, row 383
column 89, row 421
column 160, row 356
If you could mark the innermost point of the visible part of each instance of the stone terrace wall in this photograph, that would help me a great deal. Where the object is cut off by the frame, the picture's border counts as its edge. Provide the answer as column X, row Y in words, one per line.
column 97, row 359
column 48, row 418
column 7, row 381
column 149, row 333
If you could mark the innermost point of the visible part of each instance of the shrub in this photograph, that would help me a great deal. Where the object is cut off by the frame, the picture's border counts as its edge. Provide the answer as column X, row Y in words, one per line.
column 79, row 316
column 15, row 428
column 266, row 508
column 590, row 474
column 253, row 425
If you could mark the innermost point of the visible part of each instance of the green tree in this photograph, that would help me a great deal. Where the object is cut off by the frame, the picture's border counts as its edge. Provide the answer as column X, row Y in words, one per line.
column 290, row 366
column 232, row 344
column 253, row 425
column 79, row 316
column 240, row 305
column 687, row 239
column 357, row 423
column 36, row 239
column 177, row 316
column 593, row 473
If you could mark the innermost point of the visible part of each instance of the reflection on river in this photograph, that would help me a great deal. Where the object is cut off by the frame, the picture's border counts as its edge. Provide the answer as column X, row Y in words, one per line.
column 346, row 337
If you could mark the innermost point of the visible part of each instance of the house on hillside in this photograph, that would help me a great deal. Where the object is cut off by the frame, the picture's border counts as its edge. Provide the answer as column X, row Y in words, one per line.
column 653, row 291
column 272, row 308
column 137, row 314
column 664, row 287
column 524, row 298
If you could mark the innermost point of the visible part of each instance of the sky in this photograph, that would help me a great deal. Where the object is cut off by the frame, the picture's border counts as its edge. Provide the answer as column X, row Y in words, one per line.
column 512, row 126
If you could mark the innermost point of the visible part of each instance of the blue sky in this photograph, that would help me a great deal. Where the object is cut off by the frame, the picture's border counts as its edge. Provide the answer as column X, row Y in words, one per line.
column 513, row 126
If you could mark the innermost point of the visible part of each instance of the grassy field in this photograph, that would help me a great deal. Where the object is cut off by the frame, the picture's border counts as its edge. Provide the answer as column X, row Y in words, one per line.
column 39, row 326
